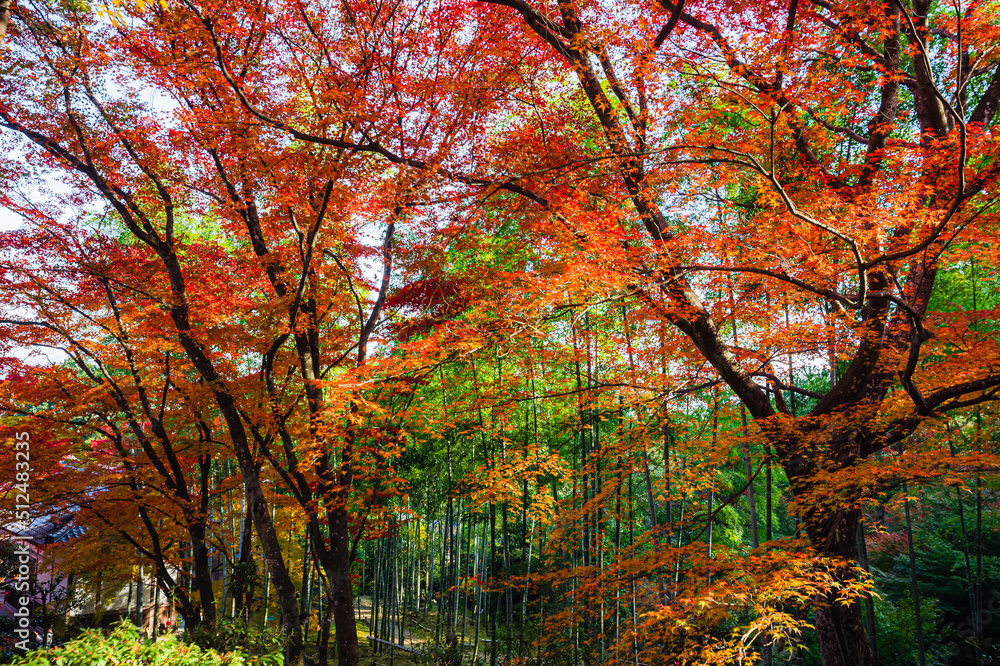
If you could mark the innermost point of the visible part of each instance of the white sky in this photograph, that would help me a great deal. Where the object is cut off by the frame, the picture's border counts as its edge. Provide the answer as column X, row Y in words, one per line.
column 8, row 220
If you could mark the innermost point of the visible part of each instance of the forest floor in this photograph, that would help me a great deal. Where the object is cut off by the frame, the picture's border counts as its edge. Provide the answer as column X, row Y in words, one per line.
column 418, row 640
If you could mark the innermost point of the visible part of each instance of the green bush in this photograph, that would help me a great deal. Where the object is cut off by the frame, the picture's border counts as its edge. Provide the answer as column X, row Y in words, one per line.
column 227, row 635
column 125, row 646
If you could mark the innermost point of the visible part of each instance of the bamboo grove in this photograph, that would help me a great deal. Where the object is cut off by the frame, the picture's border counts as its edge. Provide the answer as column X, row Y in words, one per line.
column 466, row 330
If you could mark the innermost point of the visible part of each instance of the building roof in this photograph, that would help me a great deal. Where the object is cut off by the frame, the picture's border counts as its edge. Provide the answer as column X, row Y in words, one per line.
column 43, row 531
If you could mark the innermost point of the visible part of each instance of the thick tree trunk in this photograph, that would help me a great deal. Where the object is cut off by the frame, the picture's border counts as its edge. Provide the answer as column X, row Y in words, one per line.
column 338, row 571
column 199, row 549
column 245, row 597
column 839, row 627
column 202, row 573
column 841, row 632
column 280, row 578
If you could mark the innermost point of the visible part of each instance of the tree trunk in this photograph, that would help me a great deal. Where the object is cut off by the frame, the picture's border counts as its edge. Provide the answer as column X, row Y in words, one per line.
column 280, row 578
column 841, row 633
column 913, row 583
column 869, row 602
column 202, row 573
column 323, row 640
column 839, row 627
column 140, row 596
column 245, row 600
column 338, row 572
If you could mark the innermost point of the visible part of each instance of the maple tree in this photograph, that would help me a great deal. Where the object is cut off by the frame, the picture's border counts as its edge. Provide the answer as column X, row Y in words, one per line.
column 228, row 338
column 127, row 426
column 777, row 125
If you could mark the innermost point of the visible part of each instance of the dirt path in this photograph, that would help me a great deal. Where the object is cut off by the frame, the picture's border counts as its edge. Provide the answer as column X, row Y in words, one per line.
column 363, row 615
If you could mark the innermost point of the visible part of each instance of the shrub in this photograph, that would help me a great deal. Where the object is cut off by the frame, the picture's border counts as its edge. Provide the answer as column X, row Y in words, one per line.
column 125, row 646
column 227, row 635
